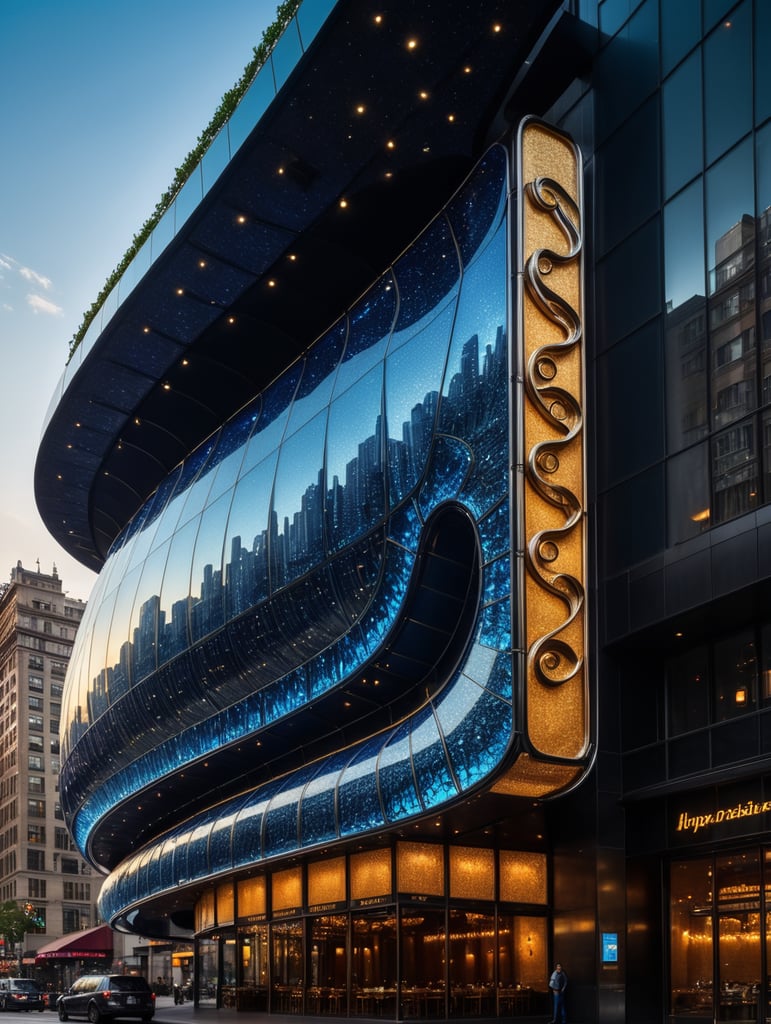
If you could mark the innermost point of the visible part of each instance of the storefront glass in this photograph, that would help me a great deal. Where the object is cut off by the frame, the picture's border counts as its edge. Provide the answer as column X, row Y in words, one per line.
column 373, row 964
column 287, row 966
column 327, row 987
column 253, row 983
column 715, row 938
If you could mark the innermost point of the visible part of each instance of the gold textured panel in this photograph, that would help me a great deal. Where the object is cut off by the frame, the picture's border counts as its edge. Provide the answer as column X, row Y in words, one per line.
column 420, row 868
column 287, row 889
column 472, row 873
column 252, row 897
column 371, row 874
column 204, row 912
column 326, row 881
column 551, row 328
column 226, row 906
column 522, row 876
column 535, row 778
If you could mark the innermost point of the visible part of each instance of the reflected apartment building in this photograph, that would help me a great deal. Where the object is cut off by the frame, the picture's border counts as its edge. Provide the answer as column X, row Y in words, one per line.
column 423, row 454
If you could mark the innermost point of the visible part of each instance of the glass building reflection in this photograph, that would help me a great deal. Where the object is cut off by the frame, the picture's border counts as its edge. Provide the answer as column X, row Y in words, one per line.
column 273, row 567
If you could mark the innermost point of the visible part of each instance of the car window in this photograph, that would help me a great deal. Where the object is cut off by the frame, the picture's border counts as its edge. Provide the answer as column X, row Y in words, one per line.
column 24, row 986
column 128, row 983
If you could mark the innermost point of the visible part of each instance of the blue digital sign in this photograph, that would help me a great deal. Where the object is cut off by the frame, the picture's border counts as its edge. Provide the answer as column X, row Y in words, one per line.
column 610, row 947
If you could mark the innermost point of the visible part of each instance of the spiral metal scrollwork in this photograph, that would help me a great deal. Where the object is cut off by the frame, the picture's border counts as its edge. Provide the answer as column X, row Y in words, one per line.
column 551, row 658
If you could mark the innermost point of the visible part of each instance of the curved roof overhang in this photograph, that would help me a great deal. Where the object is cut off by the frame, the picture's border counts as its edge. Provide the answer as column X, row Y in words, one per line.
column 271, row 256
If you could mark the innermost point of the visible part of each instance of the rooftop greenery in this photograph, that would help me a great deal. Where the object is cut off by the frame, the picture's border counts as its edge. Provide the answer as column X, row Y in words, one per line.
column 260, row 54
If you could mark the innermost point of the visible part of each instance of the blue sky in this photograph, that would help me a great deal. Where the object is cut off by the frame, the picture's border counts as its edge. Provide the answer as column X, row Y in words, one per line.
column 100, row 101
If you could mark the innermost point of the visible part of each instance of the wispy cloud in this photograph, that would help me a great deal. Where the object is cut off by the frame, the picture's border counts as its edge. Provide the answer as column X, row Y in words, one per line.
column 35, row 278
column 40, row 305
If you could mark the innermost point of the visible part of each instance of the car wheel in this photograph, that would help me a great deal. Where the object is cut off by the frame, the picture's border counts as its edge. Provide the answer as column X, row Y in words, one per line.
column 93, row 1013
column 62, row 1013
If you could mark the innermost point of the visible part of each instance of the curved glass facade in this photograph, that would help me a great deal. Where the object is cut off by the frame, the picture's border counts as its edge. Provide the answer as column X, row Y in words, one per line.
column 276, row 568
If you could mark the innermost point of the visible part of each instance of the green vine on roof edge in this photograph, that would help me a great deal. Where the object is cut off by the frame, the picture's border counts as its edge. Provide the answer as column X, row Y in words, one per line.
column 260, row 53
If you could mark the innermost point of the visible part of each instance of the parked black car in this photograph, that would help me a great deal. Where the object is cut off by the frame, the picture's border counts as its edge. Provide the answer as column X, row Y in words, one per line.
column 20, row 994
column 97, row 996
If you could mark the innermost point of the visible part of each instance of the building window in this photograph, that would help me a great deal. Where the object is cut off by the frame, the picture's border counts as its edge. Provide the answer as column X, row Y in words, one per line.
column 36, row 784
column 36, row 860
column 36, row 743
column 62, row 839
column 36, row 683
column 35, row 763
column 57, row 689
column 36, row 888
column 35, row 703
column 35, row 662
column 36, row 833
column 75, row 919
column 36, row 808
column 36, row 723
column 77, row 890
column 70, row 866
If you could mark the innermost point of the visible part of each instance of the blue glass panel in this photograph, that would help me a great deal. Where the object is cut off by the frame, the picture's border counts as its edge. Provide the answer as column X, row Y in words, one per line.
column 174, row 602
column 196, row 845
column 369, row 327
column 448, row 468
column 252, row 106
column 404, row 526
column 728, row 82
column 295, row 541
column 413, row 379
column 245, row 552
column 221, row 840
column 494, row 532
column 310, row 17
column 318, row 814
column 682, row 125
column 214, row 161
column 480, row 663
column 496, row 582
column 358, row 801
column 154, row 872
column 396, row 779
column 477, row 730
column 270, row 427
column 354, row 467
column 426, row 275
column 480, row 207
column 91, row 693
column 116, row 660
column 248, row 822
column 286, row 53
column 354, row 575
column 162, row 233
column 188, row 198
column 229, row 453
column 206, row 579
column 435, row 781
column 280, row 830
column 285, row 696
column 317, row 381
column 143, row 627
column 495, row 626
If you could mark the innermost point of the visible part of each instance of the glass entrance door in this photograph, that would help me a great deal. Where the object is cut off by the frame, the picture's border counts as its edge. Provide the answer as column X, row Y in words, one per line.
column 737, row 890
column 716, row 952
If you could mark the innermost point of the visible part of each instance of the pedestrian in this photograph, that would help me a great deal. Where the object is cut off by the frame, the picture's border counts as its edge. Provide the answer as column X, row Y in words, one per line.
column 558, row 983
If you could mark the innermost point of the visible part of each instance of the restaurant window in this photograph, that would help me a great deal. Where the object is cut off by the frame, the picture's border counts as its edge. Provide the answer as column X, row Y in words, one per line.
column 423, row 937
column 690, row 931
column 328, row 965
column 373, row 963
column 286, row 939
column 522, row 965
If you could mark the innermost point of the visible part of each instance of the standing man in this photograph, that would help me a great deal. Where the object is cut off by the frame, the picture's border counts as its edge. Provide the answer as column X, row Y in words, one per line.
column 558, row 983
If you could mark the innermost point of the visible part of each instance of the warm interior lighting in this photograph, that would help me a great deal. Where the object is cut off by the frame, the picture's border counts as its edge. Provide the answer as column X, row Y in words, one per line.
column 451, row 117
column 700, row 517
column 423, row 95
column 741, row 696
column 378, row 19
column 360, row 109
column 497, row 27
column 343, row 204
column 412, row 44
column 390, row 144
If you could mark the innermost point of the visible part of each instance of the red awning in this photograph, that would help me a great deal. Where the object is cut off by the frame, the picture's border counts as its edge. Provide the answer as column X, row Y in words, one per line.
column 91, row 943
